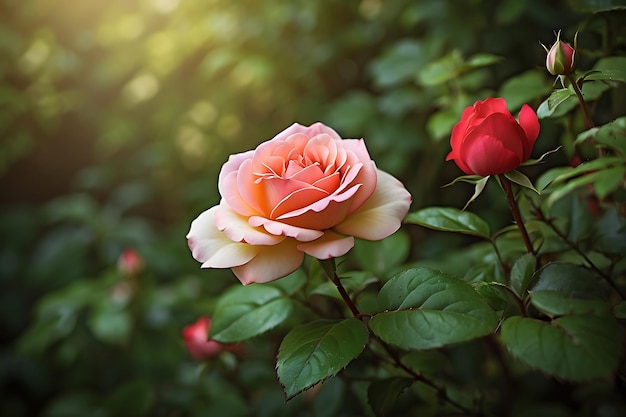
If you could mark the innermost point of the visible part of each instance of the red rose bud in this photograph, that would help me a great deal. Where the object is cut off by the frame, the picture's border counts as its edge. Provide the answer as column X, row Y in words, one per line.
column 196, row 338
column 129, row 263
column 561, row 57
column 488, row 140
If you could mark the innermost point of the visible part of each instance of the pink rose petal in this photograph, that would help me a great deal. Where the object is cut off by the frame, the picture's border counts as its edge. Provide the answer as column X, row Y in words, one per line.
column 382, row 214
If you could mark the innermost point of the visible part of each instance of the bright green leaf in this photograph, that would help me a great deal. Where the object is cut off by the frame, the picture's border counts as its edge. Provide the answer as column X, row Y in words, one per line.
column 482, row 60
column 441, row 70
column 315, row 351
column 571, row 347
column 609, row 180
column 450, row 219
column 111, row 323
column 557, row 104
column 524, row 88
column 245, row 312
column 440, row 124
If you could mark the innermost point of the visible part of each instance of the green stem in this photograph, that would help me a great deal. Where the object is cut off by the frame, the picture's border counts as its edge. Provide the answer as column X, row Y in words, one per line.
column 581, row 100
column 513, row 207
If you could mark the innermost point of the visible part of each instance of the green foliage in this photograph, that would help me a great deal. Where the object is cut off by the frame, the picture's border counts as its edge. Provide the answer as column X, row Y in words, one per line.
column 118, row 115
column 425, row 309
column 317, row 350
column 572, row 347
column 245, row 312
column 451, row 220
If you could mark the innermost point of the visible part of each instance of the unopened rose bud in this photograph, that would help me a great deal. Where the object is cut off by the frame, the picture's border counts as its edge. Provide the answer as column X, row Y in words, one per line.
column 561, row 59
column 196, row 338
column 129, row 263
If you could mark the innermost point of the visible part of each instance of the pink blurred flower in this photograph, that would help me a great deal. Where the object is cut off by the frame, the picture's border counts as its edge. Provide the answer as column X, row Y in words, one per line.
column 196, row 337
column 129, row 262
column 307, row 190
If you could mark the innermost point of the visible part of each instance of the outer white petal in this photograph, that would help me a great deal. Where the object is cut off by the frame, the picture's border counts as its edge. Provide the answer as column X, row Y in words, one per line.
column 271, row 263
column 238, row 228
column 213, row 248
column 331, row 245
column 382, row 214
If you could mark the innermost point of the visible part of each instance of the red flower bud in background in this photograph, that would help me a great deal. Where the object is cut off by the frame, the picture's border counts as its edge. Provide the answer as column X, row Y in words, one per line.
column 129, row 263
column 561, row 57
column 489, row 141
column 196, row 338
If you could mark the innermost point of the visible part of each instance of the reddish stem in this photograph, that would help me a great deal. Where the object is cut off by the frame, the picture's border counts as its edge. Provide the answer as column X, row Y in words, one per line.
column 513, row 207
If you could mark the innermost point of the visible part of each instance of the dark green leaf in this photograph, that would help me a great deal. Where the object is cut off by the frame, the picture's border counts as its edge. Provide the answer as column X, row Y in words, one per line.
column 131, row 399
column 383, row 394
column 315, row 351
column 608, row 75
column 571, row 347
column 431, row 310
column 450, row 219
column 522, row 272
column 611, row 135
column 245, row 312
column 555, row 303
column 399, row 63
column 571, row 280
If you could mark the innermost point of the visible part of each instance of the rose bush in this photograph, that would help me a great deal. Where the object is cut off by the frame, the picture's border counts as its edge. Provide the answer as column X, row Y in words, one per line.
column 307, row 190
column 488, row 140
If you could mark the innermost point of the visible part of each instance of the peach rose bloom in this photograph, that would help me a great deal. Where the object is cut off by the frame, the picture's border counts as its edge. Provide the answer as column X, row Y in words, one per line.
column 307, row 190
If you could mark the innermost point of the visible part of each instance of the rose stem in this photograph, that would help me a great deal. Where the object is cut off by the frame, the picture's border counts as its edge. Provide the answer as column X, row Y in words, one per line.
column 513, row 207
column 331, row 272
column 581, row 100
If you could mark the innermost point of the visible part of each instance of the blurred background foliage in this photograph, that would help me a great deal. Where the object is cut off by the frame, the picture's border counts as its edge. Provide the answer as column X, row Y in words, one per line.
column 117, row 116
